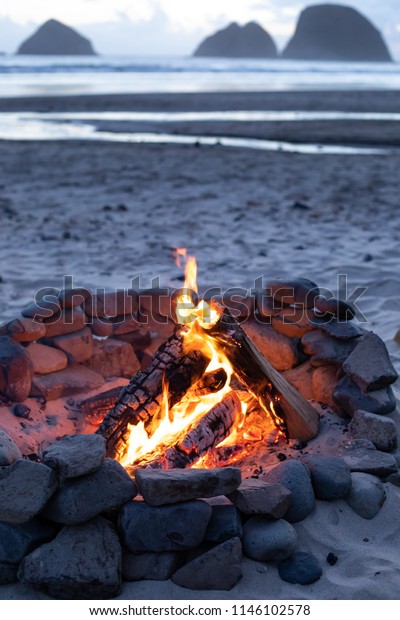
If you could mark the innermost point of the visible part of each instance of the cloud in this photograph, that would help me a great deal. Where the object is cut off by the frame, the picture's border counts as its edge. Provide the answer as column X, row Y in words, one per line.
column 77, row 12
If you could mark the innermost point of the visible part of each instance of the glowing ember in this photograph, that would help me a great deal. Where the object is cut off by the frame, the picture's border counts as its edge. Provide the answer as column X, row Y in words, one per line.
column 149, row 441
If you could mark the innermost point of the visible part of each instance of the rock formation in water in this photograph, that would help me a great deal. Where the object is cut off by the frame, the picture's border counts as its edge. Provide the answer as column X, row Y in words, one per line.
column 54, row 38
column 234, row 41
column 335, row 32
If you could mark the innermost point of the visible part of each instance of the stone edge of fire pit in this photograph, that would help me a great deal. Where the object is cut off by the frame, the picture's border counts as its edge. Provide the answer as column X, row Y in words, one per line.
column 76, row 341
column 197, row 540
column 216, row 542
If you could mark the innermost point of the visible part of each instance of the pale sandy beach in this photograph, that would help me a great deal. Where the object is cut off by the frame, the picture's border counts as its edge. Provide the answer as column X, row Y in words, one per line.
column 107, row 212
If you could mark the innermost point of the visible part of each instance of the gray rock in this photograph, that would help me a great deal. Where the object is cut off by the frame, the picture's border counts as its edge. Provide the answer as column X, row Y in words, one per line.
column 239, row 305
column 335, row 307
column 153, row 566
column 46, row 360
column 25, row 488
column 234, row 41
column 367, row 459
column 330, row 476
column 82, row 562
column 77, row 346
column 72, row 380
column 342, row 330
column 326, row 350
column 367, row 495
column 81, row 499
column 393, row 479
column 350, row 398
column 15, row 370
column 296, row 291
column 324, row 382
column 9, row 451
column 22, row 329
column 44, row 308
column 301, row 378
column 266, row 306
column 225, row 523
column 266, row 541
column 293, row 321
column 301, row 567
column 66, row 321
column 160, row 487
column 333, row 32
column 54, row 38
column 157, row 325
column 75, row 455
column 282, row 352
column 255, row 496
column 120, row 302
column 217, row 569
column 22, row 411
column 369, row 365
column 113, row 358
column 296, row 477
column 16, row 541
column 378, row 429
column 72, row 297
column 174, row 527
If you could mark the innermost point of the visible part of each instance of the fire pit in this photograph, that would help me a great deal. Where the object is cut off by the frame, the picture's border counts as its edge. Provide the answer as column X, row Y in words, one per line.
column 217, row 430
column 184, row 404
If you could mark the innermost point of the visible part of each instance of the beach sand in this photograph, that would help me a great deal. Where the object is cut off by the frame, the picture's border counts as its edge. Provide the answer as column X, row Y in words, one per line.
column 107, row 212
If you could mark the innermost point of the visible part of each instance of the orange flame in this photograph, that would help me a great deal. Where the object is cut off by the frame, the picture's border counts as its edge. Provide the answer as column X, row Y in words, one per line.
column 179, row 253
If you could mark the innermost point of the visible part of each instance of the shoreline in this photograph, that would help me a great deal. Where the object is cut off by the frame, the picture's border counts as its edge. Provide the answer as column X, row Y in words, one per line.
column 352, row 101
column 361, row 133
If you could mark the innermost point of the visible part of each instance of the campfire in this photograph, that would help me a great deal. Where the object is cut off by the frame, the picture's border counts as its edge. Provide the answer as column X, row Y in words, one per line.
column 207, row 397
column 215, row 440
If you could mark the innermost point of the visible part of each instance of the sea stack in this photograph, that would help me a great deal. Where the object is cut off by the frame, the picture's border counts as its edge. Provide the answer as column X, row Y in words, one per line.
column 336, row 32
column 55, row 39
column 234, row 41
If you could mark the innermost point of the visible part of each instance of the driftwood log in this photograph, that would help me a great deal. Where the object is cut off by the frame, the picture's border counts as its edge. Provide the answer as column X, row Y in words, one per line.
column 201, row 436
column 292, row 414
column 141, row 399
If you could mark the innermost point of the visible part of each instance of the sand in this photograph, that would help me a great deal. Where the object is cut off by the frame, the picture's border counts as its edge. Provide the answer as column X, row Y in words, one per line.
column 61, row 214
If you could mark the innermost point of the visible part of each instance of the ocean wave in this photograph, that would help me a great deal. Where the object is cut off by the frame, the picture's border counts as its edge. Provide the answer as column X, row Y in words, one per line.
column 109, row 64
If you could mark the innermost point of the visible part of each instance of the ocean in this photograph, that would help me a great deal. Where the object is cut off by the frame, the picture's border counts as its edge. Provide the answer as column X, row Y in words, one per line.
column 47, row 75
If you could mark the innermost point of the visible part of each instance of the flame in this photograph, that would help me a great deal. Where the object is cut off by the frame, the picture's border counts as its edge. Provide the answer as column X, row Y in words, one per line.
column 179, row 253
column 191, row 274
column 148, row 441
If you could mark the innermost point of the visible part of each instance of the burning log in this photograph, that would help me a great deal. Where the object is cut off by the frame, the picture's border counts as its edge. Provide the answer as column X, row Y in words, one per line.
column 97, row 407
column 201, row 436
column 292, row 414
column 209, row 383
column 140, row 399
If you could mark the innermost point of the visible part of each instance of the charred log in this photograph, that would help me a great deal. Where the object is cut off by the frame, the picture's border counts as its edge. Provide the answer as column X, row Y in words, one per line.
column 97, row 407
column 201, row 436
column 292, row 414
column 141, row 399
column 209, row 383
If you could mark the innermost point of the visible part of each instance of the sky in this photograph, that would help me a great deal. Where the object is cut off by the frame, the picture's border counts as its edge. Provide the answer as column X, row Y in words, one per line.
column 171, row 26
